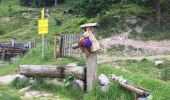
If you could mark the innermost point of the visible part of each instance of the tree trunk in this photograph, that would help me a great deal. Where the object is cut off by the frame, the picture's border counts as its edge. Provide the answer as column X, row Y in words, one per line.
column 158, row 12
column 51, row 71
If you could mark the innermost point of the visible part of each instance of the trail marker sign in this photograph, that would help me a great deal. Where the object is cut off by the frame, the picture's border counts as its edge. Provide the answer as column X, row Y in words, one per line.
column 43, row 26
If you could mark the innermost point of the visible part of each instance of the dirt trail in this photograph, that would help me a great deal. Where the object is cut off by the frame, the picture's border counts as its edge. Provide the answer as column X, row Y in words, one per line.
column 105, row 58
column 146, row 45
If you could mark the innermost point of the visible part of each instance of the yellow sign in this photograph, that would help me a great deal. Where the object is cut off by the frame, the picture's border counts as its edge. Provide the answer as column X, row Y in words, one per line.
column 43, row 26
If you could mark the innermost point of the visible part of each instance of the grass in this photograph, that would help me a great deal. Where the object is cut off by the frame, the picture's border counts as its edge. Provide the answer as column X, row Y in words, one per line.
column 159, row 89
column 8, row 93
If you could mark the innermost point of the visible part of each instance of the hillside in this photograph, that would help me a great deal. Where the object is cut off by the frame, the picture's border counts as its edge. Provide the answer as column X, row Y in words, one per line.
column 117, row 18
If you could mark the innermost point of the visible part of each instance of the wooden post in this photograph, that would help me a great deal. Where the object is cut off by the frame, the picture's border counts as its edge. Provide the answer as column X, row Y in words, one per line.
column 3, row 54
column 91, row 56
column 55, row 48
column 29, row 45
column 91, row 72
column 13, row 42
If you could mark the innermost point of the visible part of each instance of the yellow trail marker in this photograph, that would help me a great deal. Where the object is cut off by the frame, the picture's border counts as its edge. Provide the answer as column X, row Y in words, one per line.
column 42, row 29
column 43, row 26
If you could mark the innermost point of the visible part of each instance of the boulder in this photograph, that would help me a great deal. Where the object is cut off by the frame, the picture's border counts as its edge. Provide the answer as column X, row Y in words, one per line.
column 103, row 80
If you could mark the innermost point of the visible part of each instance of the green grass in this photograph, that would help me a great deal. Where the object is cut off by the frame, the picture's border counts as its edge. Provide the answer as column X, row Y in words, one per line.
column 159, row 89
column 8, row 93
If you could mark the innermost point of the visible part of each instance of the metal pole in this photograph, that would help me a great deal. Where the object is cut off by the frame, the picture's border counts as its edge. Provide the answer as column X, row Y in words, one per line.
column 43, row 46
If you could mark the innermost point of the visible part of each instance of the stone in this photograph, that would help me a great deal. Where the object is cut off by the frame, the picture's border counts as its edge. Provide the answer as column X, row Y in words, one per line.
column 158, row 63
column 103, row 80
column 78, row 84
column 7, row 79
column 32, row 81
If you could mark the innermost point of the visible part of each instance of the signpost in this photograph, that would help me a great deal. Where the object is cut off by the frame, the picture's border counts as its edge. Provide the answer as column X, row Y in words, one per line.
column 42, row 29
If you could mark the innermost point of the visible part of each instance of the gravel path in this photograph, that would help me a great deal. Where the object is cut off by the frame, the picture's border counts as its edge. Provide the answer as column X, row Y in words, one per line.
column 146, row 45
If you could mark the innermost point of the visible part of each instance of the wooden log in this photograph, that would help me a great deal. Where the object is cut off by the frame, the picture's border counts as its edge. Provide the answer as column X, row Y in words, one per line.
column 134, row 89
column 51, row 71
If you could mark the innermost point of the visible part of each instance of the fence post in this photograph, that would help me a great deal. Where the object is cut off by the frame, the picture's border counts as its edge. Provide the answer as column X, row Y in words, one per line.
column 55, row 48
column 3, row 53
column 13, row 42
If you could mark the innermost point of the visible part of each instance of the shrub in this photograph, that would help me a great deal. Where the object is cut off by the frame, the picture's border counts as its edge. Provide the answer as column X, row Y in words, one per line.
column 165, row 75
column 39, row 3
column 20, row 83
column 2, row 30
column 91, row 8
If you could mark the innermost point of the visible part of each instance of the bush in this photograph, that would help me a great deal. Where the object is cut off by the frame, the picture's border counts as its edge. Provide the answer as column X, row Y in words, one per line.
column 20, row 83
column 81, row 62
column 165, row 75
column 91, row 8
column 39, row 3
column 2, row 30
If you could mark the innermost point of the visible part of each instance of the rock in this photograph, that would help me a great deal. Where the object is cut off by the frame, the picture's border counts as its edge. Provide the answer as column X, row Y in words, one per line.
column 78, row 84
column 7, row 79
column 32, row 81
column 103, row 80
column 32, row 94
column 104, row 88
column 68, row 11
column 139, row 29
column 54, row 81
column 158, row 63
column 13, row 59
column 23, row 90
column 20, row 78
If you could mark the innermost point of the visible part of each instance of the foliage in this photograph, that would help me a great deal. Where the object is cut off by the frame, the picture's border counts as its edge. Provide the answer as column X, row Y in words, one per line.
column 110, row 25
column 81, row 62
column 165, row 75
column 39, row 3
column 152, row 32
column 2, row 31
column 20, row 83
column 69, row 79
column 91, row 8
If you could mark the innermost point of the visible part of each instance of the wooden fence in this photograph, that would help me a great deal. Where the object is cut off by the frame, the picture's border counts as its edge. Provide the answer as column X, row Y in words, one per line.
column 66, row 42
column 13, row 49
